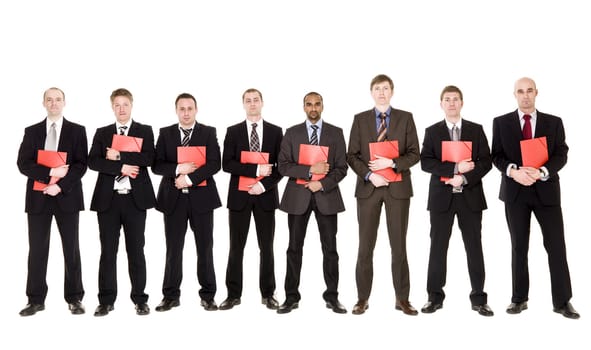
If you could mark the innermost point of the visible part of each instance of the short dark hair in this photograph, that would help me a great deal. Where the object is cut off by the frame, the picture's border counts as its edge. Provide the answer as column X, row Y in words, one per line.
column 451, row 88
column 252, row 90
column 315, row 94
column 121, row 92
column 380, row 78
column 184, row 95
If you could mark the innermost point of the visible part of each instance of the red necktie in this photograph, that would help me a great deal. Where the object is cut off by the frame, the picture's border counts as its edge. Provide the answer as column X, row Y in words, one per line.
column 527, row 134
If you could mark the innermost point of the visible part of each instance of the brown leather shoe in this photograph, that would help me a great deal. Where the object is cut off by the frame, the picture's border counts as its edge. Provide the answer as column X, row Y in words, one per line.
column 360, row 307
column 404, row 306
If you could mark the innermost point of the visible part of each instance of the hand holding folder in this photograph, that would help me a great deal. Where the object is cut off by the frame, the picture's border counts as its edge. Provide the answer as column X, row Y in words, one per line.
column 534, row 152
column 310, row 155
column 246, row 157
column 50, row 159
column 194, row 154
column 387, row 149
column 455, row 152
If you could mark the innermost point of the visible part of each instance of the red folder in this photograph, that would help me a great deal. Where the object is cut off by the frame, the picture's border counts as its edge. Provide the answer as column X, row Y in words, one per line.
column 195, row 154
column 124, row 143
column 50, row 159
column 310, row 155
column 388, row 149
column 455, row 151
column 245, row 182
column 534, row 152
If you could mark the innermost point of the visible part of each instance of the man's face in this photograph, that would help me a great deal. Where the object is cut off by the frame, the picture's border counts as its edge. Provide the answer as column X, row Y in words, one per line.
column 525, row 94
column 382, row 93
column 122, row 109
column 452, row 104
column 54, row 103
column 186, row 110
column 313, row 107
column 252, row 104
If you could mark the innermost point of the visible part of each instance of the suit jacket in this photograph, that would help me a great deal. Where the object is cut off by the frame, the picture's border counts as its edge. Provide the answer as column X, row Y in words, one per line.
column 506, row 150
column 203, row 198
column 296, row 198
column 440, row 194
column 142, row 190
column 73, row 141
column 363, row 131
column 236, row 141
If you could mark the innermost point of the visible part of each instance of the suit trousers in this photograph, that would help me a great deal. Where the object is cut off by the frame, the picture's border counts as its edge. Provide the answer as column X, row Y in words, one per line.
column 368, row 216
column 265, row 228
column 39, row 232
column 122, row 213
column 327, row 227
column 175, row 227
column 470, row 223
column 518, row 214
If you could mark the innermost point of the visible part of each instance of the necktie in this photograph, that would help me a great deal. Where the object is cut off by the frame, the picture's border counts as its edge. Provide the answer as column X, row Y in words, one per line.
column 121, row 132
column 314, row 136
column 51, row 140
column 186, row 136
column 455, row 133
column 255, row 144
column 382, row 129
column 527, row 134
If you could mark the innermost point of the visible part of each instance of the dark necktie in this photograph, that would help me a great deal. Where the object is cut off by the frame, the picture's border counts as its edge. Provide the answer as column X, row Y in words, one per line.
column 314, row 136
column 527, row 134
column 121, row 132
column 186, row 136
column 51, row 140
column 455, row 133
column 255, row 143
column 383, row 128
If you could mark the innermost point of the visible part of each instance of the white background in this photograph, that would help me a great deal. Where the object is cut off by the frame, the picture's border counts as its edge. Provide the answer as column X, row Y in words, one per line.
column 216, row 50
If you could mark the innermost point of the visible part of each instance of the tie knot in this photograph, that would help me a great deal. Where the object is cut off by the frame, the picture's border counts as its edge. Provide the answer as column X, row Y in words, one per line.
column 383, row 116
column 52, row 125
column 254, row 125
column 186, row 132
column 526, row 117
column 122, row 129
column 315, row 127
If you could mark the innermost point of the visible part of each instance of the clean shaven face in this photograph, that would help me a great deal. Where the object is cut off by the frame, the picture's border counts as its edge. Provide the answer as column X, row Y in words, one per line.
column 186, row 110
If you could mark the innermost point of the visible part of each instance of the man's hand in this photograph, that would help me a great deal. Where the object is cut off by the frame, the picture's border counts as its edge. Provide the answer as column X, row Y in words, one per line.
column 455, row 181
column 524, row 176
column 380, row 163
column 265, row 169
column 321, row 168
column 52, row 190
column 113, row 154
column 378, row 180
column 465, row 166
column 187, row 168
column 59, row 171
column 256, row 189
column 181, row 182
column 130, row 170
column 314, row 186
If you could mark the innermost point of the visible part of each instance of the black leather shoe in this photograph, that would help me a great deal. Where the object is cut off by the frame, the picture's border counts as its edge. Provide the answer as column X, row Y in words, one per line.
column 336, row 306
column 142, row 309
column 515, row 308
column 287, row 306
column 229, row 303
column 567, row 311
column 360, row 307
column 103, row 309
column 483, row 310
column 430, row 307
column 406, row 307
column 167, row 304
column 209, row 305
column 76, row 308
column 270, row 302
column 31, row 309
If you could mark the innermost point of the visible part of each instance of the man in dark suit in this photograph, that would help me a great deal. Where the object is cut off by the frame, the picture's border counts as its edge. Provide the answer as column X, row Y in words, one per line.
column 122, row 195
column 61, row 199
column 526, row 189
column 260, row 200
column 460, row 195
column 181, row 198
column 322, row 197
column 373, row 190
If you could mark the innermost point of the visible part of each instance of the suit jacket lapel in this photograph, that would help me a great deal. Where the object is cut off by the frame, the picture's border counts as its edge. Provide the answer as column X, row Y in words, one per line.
column 371, row 125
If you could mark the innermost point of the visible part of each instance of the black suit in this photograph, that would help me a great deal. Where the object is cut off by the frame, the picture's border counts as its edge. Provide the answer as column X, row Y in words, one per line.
column 443, row 206
column 116, row 210
column 241, row 205
column 542, row 198
column 299, row 202
column 196, row 206
column 65, row 207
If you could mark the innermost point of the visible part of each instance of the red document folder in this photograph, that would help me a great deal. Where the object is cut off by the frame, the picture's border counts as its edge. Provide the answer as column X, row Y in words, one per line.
column 245, row 182
column 534, row 152
column 455, row 151
column 310, row 155
column 195, row 154
column 124, row 143
column 388, row 149
column 50, row 159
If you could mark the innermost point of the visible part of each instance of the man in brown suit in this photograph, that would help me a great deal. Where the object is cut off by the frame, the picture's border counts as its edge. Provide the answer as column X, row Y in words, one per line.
column 382, row 123
column 321, row 196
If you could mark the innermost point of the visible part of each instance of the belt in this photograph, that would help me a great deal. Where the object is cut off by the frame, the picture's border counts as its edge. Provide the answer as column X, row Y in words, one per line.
column 124, row 191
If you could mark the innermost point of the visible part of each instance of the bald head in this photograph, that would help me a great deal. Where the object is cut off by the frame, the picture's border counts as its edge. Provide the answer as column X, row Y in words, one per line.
column 525, row 93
